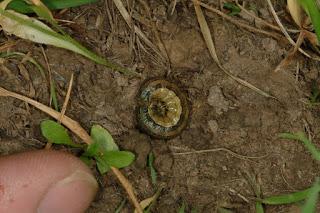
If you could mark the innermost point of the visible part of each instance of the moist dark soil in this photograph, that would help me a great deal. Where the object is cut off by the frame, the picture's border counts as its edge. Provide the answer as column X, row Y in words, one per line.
column 225, row 116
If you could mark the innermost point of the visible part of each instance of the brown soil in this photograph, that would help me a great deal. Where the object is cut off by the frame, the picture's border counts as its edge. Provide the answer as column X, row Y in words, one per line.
column 224, row 113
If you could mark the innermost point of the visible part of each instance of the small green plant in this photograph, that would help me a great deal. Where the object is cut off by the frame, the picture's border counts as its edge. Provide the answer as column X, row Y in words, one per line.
column 233, row 8
column 103, row 150
column 309, row 195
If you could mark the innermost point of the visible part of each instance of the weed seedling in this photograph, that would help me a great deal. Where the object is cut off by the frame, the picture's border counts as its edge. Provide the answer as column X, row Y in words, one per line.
column 103, row 149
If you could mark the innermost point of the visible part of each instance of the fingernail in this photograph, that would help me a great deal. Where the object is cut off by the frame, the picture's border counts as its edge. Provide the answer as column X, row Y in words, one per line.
column 72, row 194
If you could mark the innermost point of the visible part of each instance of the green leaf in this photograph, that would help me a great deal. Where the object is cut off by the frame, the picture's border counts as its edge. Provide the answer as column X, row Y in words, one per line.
column 88, row 161
column 153, row 172
column 34, row 30
column 311, row 202
column 312, row 9
column 102, row 165
column 103, row 139
column 23, row 7
column 56, row 133
column 118, row 159
column 233, row 8
column 287, row 198
column 300, row 136
column 259, row 207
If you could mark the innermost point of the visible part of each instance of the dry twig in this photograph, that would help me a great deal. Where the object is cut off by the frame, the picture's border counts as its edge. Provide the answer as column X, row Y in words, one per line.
column 66, row 100
column 123, row 11
column 208, row 39
column 286, row 34
column 236, row 155
column 240, row 24
column 260, row 20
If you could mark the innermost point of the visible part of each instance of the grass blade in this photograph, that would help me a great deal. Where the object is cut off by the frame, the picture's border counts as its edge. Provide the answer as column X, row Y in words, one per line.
column 30, row 59
column 182, row 208
column 23, row 7
column 53, row 95
column 259, row 207
column 300, row 136
column 36, row 31
column 311, row 202
column 312, row 8
column 287, row 198
column 153, row 172
column 210, row 45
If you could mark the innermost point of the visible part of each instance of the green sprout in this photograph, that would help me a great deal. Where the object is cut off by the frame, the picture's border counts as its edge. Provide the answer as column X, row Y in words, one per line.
column 103, row 150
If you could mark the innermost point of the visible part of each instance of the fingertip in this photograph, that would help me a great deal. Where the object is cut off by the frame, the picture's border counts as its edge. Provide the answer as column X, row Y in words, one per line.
column 45, row 181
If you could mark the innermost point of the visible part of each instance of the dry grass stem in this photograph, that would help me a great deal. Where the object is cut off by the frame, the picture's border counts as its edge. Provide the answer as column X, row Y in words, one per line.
column 49, row 71
column 123, row 11
column 208, row 39
column 236, row 155
column 155, row 31
column 66, row 100
column 260, row 20
column 68, row 122
column 128, row 186
column 285, row 33
column 237, row 23
column 77, row 130
column 287, row 60
column 7, row 45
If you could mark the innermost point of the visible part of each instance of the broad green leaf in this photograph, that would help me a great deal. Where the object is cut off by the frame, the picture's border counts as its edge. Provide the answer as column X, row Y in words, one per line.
column 153, row 172
column 311, row 202
column 233, row 8
column 56, row 133
column 312, row 9
column 118, row 159
column 34, row 30
column 102, row 165
column 103, row 139
column 287, row 198
column 93, row 150
column 300, row 136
